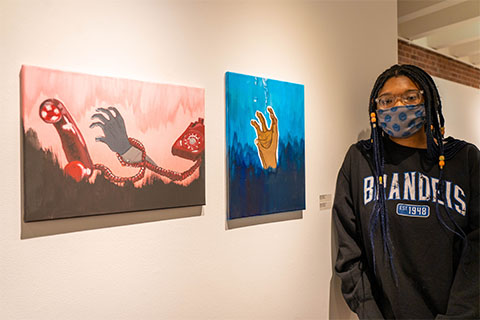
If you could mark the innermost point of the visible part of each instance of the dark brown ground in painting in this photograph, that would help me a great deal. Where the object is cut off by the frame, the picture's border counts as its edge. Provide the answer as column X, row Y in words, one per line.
column 49, row 194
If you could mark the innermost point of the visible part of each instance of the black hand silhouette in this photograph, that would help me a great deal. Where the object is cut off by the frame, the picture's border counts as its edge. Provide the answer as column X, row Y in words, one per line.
column 113, row 128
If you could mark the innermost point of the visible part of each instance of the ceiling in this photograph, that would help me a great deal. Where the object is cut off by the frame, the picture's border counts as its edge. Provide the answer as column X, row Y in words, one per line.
column 450, row 27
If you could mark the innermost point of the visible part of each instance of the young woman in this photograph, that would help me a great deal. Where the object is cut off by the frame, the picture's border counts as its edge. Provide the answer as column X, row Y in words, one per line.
column 406, row 209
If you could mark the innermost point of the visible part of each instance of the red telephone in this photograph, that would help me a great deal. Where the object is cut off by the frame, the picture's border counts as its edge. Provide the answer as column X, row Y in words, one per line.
column 189, row 145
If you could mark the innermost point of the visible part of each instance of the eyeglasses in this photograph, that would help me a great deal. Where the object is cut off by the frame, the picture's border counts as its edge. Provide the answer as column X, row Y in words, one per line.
column 408, row 98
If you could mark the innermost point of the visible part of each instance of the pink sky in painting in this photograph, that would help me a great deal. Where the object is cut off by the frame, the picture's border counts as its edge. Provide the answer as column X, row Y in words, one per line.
column 155, row 114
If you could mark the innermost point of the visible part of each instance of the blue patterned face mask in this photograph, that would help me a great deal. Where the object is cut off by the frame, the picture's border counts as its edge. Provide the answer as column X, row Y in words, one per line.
column 402, row 121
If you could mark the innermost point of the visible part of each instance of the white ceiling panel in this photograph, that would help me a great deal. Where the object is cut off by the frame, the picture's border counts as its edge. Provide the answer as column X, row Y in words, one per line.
column 450, row 27
column 465, row 49
column 457, row 34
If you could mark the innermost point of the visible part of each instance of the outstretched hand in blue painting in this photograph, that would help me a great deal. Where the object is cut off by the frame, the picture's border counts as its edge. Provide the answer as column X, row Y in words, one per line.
column 267, row 138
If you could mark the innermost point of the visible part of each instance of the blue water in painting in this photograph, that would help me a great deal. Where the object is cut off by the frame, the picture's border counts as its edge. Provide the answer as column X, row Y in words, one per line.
column 251, row 189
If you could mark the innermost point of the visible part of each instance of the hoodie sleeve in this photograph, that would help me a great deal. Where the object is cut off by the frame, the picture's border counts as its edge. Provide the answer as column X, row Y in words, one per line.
column 465, row 291
column 351, row 263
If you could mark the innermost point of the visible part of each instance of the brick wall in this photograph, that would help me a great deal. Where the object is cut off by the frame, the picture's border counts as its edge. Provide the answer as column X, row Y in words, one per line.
column 438, row 65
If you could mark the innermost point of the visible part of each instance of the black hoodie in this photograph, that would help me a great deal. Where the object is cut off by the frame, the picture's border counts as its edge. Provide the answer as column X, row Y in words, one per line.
column 435, row 281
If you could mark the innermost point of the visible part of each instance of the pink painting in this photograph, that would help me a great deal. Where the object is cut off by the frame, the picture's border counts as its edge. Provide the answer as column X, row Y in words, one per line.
column 96, row 145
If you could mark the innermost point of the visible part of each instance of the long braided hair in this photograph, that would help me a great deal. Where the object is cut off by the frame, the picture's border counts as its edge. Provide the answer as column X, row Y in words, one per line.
column 434, row 129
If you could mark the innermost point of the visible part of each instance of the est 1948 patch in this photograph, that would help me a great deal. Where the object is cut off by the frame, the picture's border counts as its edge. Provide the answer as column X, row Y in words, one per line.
column 411, row 210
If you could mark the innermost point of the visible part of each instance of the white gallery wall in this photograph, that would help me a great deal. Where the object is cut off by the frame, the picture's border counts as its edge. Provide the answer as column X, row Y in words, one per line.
column 190, row 263
column 461, row 109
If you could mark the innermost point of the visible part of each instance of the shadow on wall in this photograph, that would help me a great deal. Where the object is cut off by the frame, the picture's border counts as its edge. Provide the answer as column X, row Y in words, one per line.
column 263, row 219
column 60, row 226
column 363, row 135
column 338, row 308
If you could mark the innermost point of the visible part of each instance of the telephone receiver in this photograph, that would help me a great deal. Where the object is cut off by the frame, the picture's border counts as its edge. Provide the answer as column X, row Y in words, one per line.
column 189, row 145
column 80, row 165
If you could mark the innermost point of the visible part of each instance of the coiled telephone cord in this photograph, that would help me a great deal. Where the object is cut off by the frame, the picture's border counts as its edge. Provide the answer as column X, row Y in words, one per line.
column 143, row 165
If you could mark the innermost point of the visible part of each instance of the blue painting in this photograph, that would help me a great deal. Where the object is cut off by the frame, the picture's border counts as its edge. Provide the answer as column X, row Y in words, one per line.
column 265, row 123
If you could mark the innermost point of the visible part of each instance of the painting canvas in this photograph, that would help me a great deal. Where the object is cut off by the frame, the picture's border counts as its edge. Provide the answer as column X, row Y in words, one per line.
column 96, row 145
column 265, row 145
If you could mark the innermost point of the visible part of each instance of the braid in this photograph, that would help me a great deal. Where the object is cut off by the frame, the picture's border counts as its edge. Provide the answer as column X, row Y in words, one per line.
column 434, row 130
column 379, row 211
